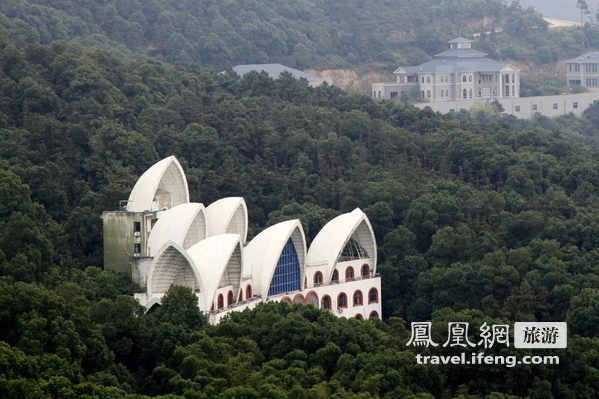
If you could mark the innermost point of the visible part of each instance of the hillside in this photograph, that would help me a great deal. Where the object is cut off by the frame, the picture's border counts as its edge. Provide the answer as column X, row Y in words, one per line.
column 320, row 34
column 482, row 218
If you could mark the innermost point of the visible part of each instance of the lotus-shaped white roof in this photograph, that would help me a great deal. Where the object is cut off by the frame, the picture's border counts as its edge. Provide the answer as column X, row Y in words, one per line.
column 263, row 252
column 327, row 246
column 162, row 186
column 184, row 224
column 228, row 216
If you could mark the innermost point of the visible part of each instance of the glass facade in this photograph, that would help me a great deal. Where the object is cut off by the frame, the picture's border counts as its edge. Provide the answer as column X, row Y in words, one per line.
column 353, row 250
column 287, row 273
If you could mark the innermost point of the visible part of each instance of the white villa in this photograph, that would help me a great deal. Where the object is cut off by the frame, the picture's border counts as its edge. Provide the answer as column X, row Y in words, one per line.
column 160, row 238
column 459, row 73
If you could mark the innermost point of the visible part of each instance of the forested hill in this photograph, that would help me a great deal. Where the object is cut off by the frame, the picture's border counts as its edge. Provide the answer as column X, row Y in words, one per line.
column 320, row 33
column 483, row 219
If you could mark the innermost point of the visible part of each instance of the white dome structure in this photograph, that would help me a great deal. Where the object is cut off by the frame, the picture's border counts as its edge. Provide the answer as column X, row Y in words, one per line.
column 275, row 259
column 228, row 216
column 218, row 260
column 185, row 224
column 172, row 265
column 162, row 186
column 349, row 232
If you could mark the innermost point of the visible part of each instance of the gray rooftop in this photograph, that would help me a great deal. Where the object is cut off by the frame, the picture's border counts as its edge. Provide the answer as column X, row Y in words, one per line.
column 461, row 53
column 451, row 65
column 275, row 70
column 592, row 56
column 460, row 40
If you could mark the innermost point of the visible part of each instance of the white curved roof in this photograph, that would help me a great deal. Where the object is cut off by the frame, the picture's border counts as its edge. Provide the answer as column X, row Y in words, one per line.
column 228, row 216
column 218, row 260
column 261, row 255
column 162, row 186
column 184, row 224
column 172, row 265
column 328, row 244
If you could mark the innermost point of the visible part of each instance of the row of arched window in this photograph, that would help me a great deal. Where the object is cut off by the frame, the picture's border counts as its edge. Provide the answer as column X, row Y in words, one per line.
column 326, row 302
column 349, row 275
column 220, row 301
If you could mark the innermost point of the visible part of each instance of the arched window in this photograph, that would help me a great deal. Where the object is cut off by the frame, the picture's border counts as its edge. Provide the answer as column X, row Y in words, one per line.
column 317, row 279
column 365, row 271
column 230, row 298
column 312, row 299
column 464, row 78
column 287, row 275
column 286, row 299
column 374, row 315
column 221, row 302
column 335, row 278
column 358, row 300
column 326, row 302
column 299, row 298
column 248, row 291
column 349, row 273
column 359, row 317
column 342, row 300
column 373, row 295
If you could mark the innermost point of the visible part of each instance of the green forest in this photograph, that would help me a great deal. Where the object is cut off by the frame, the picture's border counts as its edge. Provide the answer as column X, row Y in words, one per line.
column 320, row 34
column 479, row 217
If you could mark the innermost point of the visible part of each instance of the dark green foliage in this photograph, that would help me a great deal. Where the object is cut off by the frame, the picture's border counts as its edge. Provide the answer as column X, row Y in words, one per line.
column 477, row 220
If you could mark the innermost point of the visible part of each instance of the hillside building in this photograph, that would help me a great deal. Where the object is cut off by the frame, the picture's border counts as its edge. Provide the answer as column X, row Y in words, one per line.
column 275, row 70
column 459, row 73
column 160, row 238
column 583, row 71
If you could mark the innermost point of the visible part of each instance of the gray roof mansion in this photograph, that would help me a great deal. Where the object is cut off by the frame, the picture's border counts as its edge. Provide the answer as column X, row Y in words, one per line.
column 583, row 71
column 459, row 73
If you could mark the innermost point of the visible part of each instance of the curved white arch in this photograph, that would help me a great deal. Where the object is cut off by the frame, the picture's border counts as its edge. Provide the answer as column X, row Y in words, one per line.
column 172, row 265
column 219, row 260
column 327, row 246
column 228, row 216
column 184, row 224
column 262, row 254
column 162, row 186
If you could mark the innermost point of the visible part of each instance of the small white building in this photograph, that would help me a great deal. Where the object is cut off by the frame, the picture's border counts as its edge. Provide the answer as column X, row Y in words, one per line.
column 275, row 70
column 161, row 239
column 459, row 73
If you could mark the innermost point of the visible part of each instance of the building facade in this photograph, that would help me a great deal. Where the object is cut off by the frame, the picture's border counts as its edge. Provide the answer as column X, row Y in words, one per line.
column 583, row 71
column 459, row 73
column 160, row 238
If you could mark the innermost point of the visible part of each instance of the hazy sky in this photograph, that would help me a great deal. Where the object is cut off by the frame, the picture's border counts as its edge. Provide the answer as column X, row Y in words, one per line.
column 563, row 9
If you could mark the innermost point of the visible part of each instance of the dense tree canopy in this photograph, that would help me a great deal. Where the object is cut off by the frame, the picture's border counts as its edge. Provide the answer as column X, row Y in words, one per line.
column 478, row 219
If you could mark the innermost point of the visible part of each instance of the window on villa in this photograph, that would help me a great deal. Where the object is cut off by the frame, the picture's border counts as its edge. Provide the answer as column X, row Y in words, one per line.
column 428, row 94
column 349, row 273
column 575, row 105
column 365, row 271
column 517, row 108
column 534, row 107
column 248, row 291
column 428, row 79
column 373, row 295
column 464, row 78
column 554, row 105
column 317, row 278
column 342, row 300
column 335, row 278
column 230, row 298
column 326, row 302
column 465, row 93
column 358, row 298
column 220, row 302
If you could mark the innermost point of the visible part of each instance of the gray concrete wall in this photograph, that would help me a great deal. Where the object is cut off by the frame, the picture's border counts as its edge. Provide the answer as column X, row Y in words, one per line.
column 524, row 107
column 120, row 239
